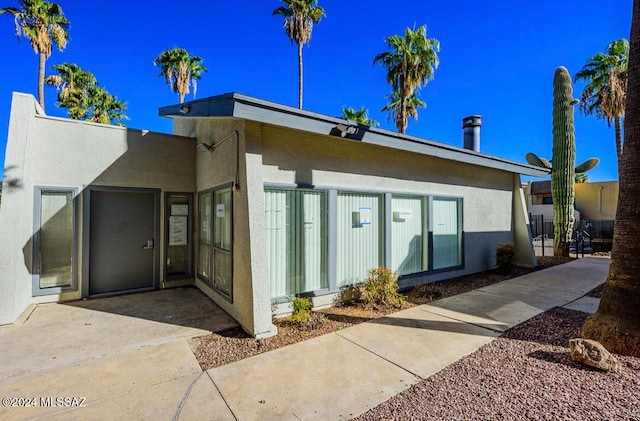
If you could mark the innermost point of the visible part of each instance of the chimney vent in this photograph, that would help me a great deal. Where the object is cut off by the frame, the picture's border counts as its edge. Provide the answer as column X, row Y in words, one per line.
column 471, row 129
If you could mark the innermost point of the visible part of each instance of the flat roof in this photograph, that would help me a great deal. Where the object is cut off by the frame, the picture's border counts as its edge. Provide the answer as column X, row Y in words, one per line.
column 245, row 107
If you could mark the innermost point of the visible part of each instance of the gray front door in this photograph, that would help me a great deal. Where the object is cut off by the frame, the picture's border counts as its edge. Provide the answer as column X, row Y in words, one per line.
column 122, row 240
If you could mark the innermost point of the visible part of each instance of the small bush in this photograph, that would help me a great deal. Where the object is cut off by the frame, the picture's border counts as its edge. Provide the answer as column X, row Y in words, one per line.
column 506, row 256
column 380, row 290
column 301, row 309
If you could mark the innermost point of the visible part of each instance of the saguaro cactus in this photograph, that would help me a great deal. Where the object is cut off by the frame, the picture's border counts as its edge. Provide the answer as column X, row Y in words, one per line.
column 563, row 161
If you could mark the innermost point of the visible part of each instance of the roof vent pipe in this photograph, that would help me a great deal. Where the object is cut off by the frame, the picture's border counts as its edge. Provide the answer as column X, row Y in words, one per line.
column 471, row 129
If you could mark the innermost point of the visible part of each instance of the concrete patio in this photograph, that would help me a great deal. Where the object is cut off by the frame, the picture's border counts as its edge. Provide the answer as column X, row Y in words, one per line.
column 130, row 366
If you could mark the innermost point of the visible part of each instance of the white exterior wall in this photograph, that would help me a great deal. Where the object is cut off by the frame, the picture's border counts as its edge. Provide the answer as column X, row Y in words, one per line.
column 55, row 152
column 291, row 157
column 251, row 300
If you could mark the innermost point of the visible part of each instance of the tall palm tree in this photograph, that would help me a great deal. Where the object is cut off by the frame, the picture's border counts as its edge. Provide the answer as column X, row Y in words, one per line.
column 72, row 84
column 360, row 116
column 82, row 96
column 616, row 324
column 104, row 108
column 299, row 18
column 400, row 109
column 44, row 24
column 181, row 70
column 605, row 92
column 410, row 64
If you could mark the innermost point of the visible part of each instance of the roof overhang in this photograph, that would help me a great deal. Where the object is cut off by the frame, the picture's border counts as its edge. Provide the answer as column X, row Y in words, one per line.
column 234, row 105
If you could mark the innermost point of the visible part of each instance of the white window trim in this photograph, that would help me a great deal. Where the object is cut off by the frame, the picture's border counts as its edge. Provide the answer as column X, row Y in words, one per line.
column 36, row 290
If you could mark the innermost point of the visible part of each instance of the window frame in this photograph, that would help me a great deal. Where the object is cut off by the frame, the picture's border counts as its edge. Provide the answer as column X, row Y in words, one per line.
column 425, row 217
column 209, row 279
column 190, row 217
column 460, row 221
column 298, row 225
column 36, row 258
column 383, row 229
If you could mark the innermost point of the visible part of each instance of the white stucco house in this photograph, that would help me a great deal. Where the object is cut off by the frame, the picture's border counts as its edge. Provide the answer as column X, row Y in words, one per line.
column 249, row 201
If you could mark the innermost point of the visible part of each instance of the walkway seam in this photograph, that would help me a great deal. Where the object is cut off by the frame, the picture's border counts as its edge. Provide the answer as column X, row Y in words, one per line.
column 221, row 395
column 380, row 356
column 466, row 322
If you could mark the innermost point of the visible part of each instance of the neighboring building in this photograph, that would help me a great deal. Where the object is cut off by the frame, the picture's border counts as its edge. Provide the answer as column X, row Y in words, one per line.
column 250, row 201
column 598, row 200
column 595, row 201
column 539, row 200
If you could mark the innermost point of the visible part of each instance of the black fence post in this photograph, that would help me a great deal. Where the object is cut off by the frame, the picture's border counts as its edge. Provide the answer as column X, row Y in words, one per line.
column 542, row 237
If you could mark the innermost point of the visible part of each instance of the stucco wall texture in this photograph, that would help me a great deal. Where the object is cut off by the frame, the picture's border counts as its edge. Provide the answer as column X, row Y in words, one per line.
column 248, row 156
column 597, row 200
column 53, row 152
column 290, row 158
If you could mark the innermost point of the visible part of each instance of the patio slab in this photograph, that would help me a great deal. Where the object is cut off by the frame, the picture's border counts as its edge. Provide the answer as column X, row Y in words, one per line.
column 491, row 311
column 584, row 304
column 418, row 341
column 138, row 384
column 326, row 378
column 54, row 335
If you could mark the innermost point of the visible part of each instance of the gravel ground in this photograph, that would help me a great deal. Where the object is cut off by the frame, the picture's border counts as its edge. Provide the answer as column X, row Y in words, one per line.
column 526, row 374
column 234, row 344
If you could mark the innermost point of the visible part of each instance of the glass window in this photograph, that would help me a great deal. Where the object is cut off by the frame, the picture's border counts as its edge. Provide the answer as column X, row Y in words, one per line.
column 54, row 241
column 295, row 221
column 222, row 241
column 178, row 235
column 360, row 236
column 204, row 236
column 408, row 234
column 215, row 239
column 447, row 233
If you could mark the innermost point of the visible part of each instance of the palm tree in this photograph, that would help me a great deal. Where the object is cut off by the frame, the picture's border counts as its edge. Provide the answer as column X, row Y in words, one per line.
column 360, row 116
column 410, row 64
column 44, row 24
column 400, row 110
column 104, row 108
column 181, row 70
column 605, row 92
column 299, row 18
column 72, row 84
column 82, row 96
column 616, row 324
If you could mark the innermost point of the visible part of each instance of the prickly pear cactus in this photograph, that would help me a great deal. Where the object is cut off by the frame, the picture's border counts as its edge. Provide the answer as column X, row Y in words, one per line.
column 563, row 161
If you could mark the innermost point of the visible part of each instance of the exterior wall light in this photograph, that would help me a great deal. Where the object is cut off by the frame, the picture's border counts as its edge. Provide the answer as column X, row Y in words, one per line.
column 203, row 147
column 346, row 129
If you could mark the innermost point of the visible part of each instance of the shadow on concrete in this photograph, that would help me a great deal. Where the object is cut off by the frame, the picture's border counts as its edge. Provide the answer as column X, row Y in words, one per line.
column 453, row 326
column 184, row 306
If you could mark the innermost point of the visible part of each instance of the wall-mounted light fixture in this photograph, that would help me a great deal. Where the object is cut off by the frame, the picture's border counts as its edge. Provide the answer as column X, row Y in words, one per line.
column 345, row 129
column 203, row 147
column 184, row 109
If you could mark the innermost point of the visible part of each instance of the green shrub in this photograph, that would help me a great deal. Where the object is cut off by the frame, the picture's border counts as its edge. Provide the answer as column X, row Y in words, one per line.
column 380, row 290
column 301, row 309
column 506, row 256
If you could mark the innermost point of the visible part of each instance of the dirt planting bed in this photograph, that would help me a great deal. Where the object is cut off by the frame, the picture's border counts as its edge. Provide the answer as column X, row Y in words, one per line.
column 234, row 344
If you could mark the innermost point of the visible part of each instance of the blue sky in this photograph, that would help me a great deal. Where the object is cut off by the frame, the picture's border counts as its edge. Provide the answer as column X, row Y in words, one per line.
column 497, row 59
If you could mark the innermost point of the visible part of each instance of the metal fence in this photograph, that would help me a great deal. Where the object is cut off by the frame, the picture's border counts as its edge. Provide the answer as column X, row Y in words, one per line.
column 589, row 236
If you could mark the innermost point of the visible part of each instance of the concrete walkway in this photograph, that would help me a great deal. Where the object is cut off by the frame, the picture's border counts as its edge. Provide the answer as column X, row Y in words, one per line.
column 333, row 377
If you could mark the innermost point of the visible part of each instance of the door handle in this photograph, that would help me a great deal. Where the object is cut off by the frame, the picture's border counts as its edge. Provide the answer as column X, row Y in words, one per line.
column 149, row 245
